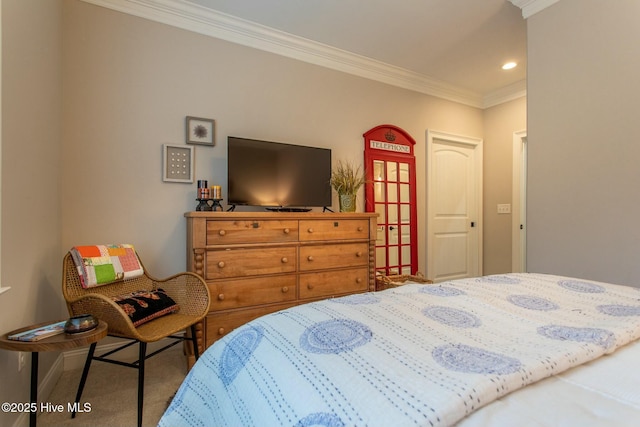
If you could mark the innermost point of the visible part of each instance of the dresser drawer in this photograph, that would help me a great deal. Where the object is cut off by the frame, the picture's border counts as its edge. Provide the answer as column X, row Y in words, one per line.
column 337, row 229
column 333, row 256
column 329, row 283
column 231, row 232
column 238, row 293
column 220, row 324
column 250, row 262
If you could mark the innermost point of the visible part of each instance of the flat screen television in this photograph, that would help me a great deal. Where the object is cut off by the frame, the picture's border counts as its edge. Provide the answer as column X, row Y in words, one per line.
column 277, row 175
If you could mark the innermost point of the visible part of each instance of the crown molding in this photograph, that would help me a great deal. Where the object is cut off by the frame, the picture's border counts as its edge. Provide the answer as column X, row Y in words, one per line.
column 505, row 94
column 531, row 7
column 188, row 16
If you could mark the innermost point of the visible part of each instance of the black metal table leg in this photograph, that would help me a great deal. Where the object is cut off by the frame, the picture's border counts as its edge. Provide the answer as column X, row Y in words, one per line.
column 33, row 413
column 83, row 379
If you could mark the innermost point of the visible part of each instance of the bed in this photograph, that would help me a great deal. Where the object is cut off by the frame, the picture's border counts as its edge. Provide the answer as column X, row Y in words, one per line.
column 525, row 349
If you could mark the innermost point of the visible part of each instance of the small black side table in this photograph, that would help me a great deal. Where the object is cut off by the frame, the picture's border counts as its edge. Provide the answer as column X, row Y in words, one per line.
column 55, row 343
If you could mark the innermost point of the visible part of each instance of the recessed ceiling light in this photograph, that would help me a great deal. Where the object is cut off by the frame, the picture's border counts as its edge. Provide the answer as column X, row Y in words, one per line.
column 509, row 65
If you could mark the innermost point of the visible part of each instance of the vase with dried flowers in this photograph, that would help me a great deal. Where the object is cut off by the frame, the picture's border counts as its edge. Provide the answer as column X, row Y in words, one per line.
column 346, row 179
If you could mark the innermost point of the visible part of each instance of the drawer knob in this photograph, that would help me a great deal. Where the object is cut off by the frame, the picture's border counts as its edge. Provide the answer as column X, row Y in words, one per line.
column 309, row 286
column 286, row 231
column 284, row 260
column 221, row 331
column 310, row 230
column 359, row 254
column 358, row 280
column 221, row 264
column 310, row 258
column 360, row 229
column 222, row 232
column 221, row 297
column 285, row 289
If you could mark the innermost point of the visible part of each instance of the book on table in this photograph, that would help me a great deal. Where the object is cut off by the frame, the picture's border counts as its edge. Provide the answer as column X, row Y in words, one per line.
column 39, row 333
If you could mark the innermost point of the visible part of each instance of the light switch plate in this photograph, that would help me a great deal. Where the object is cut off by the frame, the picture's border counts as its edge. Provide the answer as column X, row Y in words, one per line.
column 177, row 163
column 504, row 208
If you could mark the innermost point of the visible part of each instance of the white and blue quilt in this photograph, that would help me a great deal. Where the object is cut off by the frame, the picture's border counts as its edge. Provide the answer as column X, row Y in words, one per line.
column 416, row 355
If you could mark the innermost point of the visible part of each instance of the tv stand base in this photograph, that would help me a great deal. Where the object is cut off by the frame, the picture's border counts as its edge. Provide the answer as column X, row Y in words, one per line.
column 289, row 209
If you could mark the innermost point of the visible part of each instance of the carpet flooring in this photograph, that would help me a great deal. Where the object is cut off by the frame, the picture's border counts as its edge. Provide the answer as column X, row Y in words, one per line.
column 111, row 391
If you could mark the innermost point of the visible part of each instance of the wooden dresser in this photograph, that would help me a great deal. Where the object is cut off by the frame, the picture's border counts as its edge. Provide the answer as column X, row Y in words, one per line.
column 260, row 262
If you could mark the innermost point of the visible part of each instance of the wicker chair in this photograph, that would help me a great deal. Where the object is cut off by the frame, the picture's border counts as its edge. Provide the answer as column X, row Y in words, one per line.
column 188, row 290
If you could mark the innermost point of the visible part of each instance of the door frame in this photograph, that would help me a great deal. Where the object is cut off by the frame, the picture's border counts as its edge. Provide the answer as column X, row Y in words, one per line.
column 519, row 202
column 476, row 144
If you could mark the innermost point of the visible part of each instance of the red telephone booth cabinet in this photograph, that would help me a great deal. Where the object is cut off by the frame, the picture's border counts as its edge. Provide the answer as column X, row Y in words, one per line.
column 390, row 191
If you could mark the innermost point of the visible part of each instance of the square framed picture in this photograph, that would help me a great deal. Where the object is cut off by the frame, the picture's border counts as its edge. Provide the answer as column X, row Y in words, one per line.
column 200, row 131
column 177, row 163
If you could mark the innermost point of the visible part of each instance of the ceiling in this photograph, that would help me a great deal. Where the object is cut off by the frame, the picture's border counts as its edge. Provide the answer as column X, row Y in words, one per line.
column 460, row 44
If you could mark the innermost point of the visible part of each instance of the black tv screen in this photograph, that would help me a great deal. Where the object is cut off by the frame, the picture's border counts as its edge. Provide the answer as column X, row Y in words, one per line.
column 277, row 175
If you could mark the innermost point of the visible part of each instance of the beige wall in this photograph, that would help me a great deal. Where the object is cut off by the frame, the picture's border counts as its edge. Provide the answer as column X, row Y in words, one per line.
column 31, row 256
column 500, row 123
column 583, row 206
column 130, row 82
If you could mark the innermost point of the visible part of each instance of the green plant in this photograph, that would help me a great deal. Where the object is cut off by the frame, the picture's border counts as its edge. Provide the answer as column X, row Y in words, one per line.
column 347, row 178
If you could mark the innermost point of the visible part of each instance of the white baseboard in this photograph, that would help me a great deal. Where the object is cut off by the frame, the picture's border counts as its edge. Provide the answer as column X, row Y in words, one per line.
column 51, row 379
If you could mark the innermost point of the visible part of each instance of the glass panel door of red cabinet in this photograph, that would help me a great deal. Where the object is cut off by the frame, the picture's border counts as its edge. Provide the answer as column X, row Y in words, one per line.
column 390, row 191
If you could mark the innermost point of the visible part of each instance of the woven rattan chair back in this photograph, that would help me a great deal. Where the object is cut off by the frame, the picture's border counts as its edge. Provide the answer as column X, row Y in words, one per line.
column 72, row 287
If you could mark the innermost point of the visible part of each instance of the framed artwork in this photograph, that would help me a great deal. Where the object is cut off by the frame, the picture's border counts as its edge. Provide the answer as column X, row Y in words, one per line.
column 200, row 131
column 177, row 163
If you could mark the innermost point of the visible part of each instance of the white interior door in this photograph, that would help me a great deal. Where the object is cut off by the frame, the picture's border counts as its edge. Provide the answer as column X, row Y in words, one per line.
column 454, row 206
